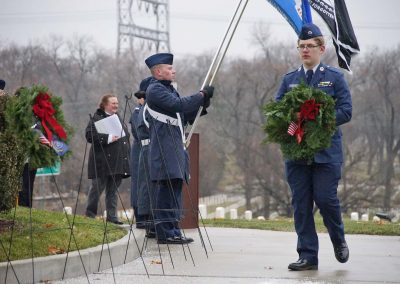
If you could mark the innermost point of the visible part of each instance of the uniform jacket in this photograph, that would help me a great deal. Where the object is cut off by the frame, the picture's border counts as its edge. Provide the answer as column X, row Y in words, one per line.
column 332, row 82
column 135, row 151
column 142, row 129
column 145, row 191
column 115, row 153
column 167, row 157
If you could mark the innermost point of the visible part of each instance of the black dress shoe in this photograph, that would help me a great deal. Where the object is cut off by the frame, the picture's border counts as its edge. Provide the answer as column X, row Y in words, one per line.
column 117, row 222
column 170, row 241
column 150, row 235
column 174, row 241
column 186, row 240
column 302, row 264
column 341, row 252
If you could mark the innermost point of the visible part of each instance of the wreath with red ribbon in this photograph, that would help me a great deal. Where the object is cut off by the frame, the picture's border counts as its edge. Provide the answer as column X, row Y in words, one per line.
column 35, row 116
column 302, row 123
column 44, row 110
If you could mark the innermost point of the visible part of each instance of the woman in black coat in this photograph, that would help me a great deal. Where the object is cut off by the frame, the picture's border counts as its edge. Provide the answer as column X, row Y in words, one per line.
column 108, row 160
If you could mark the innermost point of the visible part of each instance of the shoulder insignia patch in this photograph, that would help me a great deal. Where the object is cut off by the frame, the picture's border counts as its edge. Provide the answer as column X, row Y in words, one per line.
column 325, row 84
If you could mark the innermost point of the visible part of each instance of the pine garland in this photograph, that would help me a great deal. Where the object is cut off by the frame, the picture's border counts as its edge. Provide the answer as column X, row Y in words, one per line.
column 20, row 119
column 317, row 133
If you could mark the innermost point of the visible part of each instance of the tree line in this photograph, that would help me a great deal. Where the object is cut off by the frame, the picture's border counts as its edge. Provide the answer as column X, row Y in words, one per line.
column 232, row 153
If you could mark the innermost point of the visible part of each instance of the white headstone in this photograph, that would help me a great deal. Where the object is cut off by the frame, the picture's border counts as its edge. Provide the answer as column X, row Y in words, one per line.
column 354, row 216
column 68, row 210
column 248, row 215
column 273, row 215
column 365, row 217
column 261, row 218
column 233, row 213
column 220, row 213
column 376, row 219
column 203, row 210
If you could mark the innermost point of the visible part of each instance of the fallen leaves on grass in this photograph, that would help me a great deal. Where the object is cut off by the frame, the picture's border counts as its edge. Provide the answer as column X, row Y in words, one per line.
column 55, row 250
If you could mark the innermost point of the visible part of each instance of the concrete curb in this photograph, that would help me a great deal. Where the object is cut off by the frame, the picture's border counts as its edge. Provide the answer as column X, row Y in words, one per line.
column 52, row 267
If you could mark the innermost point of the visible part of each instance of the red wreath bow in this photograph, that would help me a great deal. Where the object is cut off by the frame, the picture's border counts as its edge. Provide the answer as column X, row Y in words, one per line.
column 43, row 108
column 309, row 110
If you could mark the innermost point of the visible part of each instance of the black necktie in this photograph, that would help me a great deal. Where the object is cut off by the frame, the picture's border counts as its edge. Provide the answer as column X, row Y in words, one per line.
column 309, row 75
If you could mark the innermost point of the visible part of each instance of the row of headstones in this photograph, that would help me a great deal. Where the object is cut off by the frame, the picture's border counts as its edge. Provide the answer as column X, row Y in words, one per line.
column 122, row 214
column 354, row 216
column 248, row 214
column 220, row 213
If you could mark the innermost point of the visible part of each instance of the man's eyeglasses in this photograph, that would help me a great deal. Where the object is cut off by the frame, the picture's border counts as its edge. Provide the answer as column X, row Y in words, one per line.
column 307, row 46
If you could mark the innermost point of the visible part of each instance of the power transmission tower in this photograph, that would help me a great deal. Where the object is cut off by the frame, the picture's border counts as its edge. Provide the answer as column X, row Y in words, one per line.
column 143, row 23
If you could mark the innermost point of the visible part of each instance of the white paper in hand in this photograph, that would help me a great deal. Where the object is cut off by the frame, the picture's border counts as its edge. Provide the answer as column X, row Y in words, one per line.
column 110, row 125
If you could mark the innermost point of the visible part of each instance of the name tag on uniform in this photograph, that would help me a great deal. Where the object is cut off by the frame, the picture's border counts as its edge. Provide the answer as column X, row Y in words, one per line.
column 291, row 86
column 325, row 84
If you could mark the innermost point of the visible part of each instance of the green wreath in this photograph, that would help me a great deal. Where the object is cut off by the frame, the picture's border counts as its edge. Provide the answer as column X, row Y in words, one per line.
column 302, row 123
column 21, row 120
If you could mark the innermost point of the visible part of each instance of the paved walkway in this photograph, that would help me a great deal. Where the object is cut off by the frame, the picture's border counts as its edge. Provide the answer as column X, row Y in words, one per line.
column 255, row 256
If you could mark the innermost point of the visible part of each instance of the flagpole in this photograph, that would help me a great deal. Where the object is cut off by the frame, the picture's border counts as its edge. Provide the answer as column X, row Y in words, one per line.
column 212, row 71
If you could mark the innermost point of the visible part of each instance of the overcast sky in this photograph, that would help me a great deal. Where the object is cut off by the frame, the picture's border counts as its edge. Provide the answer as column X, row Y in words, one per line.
column 195, row 26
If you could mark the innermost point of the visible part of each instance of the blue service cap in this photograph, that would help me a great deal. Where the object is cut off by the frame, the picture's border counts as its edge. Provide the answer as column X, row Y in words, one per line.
column 159, row 58
column 309, row 30
column 2, row 84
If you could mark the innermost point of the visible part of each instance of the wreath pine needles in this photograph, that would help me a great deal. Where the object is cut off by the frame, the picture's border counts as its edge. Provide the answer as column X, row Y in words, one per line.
column 317, row 133
column 20, row 119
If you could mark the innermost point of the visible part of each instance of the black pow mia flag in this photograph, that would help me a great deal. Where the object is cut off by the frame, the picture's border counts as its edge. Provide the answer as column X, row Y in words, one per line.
column 335, row 15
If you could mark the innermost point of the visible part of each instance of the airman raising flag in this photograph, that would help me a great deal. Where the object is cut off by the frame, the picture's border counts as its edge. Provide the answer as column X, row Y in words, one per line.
column 333, row 13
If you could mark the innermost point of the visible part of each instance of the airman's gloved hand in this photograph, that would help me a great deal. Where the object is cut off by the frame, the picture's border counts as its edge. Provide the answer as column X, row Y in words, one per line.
column 208, row 92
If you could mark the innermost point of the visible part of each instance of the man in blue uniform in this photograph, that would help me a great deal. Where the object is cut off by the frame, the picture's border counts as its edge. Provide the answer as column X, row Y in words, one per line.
column 168, row 159
column 317, row 180
column 135, row 152
column 145, row 198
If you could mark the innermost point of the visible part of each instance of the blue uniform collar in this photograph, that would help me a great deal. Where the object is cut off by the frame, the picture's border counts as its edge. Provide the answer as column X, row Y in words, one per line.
column 165, row 82
column 314, row 69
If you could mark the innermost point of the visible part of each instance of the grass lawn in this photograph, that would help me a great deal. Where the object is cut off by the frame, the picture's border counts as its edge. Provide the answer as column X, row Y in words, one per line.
column 50, row 233
column 287, row 225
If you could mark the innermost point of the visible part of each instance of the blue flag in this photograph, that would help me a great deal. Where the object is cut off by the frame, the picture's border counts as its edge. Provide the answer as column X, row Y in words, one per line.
column 296, row 12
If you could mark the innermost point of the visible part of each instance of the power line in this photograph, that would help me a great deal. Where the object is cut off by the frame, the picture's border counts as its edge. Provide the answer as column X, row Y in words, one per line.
column 93, row 14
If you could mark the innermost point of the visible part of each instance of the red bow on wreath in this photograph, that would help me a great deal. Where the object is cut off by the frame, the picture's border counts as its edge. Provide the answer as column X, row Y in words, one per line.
column 43, row 108
column 309, row 110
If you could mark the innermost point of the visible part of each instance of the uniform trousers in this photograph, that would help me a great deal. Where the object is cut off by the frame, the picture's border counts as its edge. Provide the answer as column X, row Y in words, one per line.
column 167, row 211
column 110, row 184
column 28, row 180
column 317, row 183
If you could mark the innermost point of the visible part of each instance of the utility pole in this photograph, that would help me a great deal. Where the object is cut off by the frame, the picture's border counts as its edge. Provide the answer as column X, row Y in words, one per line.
column 143, row 24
